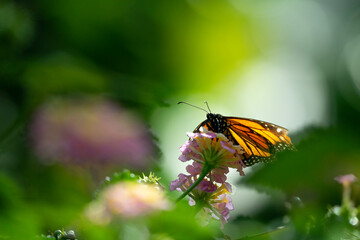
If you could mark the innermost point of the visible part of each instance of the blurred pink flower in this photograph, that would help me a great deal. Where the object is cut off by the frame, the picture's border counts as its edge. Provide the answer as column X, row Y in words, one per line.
column 89, row 131
column 346, row 179
column 132, row 199
column 127, row 200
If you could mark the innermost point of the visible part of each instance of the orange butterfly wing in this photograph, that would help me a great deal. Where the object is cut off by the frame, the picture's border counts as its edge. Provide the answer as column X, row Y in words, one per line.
column 260, row 140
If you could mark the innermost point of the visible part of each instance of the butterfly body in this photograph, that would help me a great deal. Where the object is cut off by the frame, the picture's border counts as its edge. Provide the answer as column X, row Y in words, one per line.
column 216, row 123
column 260, row 140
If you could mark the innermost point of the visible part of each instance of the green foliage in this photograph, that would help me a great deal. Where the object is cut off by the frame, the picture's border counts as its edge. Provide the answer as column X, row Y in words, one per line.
column 60, row 235
column 141, row 54
column 15, row 212
column 180, row 220
column 62, row 74
column 308, row 174
column 124, row 175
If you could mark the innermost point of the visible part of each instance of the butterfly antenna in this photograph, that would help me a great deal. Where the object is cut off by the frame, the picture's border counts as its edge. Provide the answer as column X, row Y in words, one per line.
column 207, row 105
column 193, row 106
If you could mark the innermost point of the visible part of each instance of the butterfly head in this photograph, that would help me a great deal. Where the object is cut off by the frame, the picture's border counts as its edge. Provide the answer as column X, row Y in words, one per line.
column 213, row 116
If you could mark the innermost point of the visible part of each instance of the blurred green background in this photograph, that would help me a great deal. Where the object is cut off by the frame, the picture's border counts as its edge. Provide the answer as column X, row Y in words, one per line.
column 294, row 63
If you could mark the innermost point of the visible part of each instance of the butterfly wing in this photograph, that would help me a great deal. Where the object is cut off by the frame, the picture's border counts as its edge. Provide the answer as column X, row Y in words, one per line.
column 204, row 124
column 260, row 140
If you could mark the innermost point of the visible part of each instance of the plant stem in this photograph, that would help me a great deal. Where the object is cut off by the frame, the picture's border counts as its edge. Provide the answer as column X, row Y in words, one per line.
column 346, row 200
column 204, row 171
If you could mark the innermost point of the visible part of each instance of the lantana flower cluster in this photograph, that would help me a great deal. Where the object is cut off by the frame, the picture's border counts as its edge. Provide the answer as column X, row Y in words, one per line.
column 126, row 200
column 88, row 130
column 211, row 155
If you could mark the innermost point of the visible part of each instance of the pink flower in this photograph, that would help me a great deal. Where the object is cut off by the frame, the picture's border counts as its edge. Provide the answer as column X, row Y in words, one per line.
column 180, row 184
column 222, row 205
column 127, row 200
column 207, row 186
column 194, row 169
column 212, row 154
column 346, row 179
column 89, row 130
column 218, row 174
column 215, row 198
column 213, row 149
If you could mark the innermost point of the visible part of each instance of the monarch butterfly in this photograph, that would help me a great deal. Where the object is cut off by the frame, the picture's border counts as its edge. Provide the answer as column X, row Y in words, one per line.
column 260, row 140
